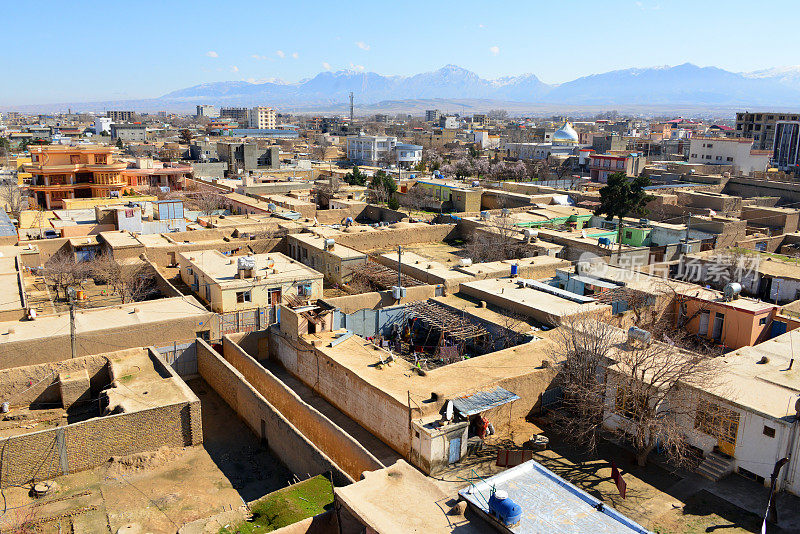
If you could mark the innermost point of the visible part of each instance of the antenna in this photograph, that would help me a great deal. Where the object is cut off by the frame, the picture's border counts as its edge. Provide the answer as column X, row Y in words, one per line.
column 351, row 106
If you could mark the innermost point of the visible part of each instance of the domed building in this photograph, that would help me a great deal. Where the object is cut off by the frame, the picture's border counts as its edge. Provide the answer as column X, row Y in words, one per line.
column 566, row 135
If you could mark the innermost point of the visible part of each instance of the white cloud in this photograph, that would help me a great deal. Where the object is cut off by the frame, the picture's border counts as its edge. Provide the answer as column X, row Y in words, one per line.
column 258, row 57
column 353, row 66
column 211, row 53
column 481, row 26
column 234, row 68
column 280, row 53
column 494, row 50
column 326, row 65
column 362, row 45
column 295, row 55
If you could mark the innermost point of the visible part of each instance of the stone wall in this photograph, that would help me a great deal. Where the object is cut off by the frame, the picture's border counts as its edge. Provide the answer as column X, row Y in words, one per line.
column 285, row 441
column 392, row 237
column 337, row 444
column 379, row 299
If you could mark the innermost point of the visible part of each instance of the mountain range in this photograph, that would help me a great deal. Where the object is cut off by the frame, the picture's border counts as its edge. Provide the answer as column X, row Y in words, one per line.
column 685, row 85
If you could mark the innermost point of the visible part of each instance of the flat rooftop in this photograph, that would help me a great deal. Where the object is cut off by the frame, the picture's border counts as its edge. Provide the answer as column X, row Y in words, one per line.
column 544, row 306
column 11, row 293
column 342, row 251
column 414, row 264
column 273, row 267
column 120, row 239
column 95, row 319
column 549, row 503
column 497, row 269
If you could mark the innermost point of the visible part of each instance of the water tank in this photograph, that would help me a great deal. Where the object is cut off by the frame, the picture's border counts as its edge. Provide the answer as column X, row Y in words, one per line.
column 272, row 207
column 505, row 211
column 246, row 263
column 465, row 262
column 476, row 183
column 329, row 244
column 637, row 334
column 732, row 290
column 398, row 292
column 514, row 269
column 530, row 233
column 604, row 241
column 504, row 510
column 484, row 215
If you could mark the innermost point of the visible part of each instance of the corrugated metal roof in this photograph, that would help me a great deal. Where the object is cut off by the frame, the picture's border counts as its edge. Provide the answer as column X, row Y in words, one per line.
column 7, row 228
column 485, row 400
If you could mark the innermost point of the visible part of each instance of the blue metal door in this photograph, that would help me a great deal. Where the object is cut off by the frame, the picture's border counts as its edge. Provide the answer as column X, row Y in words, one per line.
column 455, row 450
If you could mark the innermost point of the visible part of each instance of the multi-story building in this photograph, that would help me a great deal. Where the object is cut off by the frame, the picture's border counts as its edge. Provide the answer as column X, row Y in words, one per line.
column 262, row 118
column 761, row 127
column 450, row 122
column 119, row 116
column 408, row 155
column 136, row 133
column 59, row 172
column 240, row 115
column 432, row 115
column 603, row 165
column 370, row 149
column 206, row 110
column 724, row 151
column 774, row 131
column 102, row 124
column 248, row 156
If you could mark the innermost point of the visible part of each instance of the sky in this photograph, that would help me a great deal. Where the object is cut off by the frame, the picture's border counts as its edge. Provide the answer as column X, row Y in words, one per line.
column 85, row 50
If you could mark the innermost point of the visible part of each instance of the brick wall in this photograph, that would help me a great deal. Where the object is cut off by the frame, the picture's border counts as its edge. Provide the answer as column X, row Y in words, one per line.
column 285, row 441
column 37, row 456
column 349, row 454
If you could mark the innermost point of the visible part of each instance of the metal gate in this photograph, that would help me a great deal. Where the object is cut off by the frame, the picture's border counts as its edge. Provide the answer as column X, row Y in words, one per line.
column 247, row 320
column 182, row 357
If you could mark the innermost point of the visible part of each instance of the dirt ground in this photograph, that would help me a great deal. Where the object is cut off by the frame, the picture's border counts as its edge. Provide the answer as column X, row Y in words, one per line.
column 440, row 252
column 157, row 491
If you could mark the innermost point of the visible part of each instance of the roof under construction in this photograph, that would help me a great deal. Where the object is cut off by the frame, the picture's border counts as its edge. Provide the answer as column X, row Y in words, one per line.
column 380, row 276
column 452, row 324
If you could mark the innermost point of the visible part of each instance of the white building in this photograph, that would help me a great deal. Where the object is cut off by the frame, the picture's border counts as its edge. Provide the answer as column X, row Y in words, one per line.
column 728, row 151
column 371, row 149
column 206, row 110
column 102, row 124
column 262, row 118
column 408, row 155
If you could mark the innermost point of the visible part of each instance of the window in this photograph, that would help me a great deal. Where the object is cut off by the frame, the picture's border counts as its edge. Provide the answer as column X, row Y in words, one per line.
column 243, row 296
column 628, row 234
column 762, row 321
column 627, row 403
column 769, row 431
column 730, row 158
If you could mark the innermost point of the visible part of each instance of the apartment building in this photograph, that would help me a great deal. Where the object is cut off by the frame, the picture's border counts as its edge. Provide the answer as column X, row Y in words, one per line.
column 130, row 133
column 736, row 152
column 206, row 110
column 432, row 115
column 262, row 118
column 761, row 127
column 119, row 116
column 240, row 115
column 370, row 149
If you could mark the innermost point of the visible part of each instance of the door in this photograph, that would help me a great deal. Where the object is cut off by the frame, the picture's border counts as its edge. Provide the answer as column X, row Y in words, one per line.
column 702, row 330
column 455, row 450
column 274, row 296
column 719, row 321
column 729, row 427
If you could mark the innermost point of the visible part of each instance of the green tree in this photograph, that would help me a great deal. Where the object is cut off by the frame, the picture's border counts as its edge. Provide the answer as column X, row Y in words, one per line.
column 186, row 136
column 621, row 197
column 119, row 143
column 355, row 177
column 394, row 204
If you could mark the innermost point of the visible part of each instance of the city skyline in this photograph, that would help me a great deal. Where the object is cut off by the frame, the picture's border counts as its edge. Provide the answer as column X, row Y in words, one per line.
column 167, row 49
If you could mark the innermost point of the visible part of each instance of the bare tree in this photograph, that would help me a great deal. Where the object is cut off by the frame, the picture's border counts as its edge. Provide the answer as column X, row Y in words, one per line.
column 207, row 201
column 132, row 282
column 418, row 198
column 61, row 272
column 639, row 391
column 500, row 239
column 320, row 150
column 326, row 191
column 12, row 198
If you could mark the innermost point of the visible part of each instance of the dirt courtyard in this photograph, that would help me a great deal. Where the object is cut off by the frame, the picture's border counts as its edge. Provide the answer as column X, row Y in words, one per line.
column 157, row 491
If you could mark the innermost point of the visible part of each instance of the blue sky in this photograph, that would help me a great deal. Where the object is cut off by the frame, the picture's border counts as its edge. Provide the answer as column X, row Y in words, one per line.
column 84, row 50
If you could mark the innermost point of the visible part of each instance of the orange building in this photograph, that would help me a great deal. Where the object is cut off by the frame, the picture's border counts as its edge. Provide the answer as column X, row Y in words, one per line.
column 59, row 172
column 740, row 322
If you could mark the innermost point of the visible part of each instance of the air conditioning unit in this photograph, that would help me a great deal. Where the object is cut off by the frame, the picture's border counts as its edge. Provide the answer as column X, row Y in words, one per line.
column 398, row 292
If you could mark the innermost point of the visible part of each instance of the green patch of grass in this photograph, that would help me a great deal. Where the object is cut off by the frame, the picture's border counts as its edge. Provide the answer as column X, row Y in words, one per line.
column 287, row 506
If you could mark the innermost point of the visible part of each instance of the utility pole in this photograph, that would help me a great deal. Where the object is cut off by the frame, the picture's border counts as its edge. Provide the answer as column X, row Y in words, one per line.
column 399, row 266
column 72, row 339
column 688, row 223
